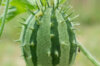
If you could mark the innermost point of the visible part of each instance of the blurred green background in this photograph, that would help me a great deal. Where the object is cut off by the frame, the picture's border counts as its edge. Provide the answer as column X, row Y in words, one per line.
column 88, row 33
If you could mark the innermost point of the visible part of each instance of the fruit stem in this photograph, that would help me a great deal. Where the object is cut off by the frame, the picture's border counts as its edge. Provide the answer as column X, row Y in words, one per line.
column 88, row 55
column 4, row 18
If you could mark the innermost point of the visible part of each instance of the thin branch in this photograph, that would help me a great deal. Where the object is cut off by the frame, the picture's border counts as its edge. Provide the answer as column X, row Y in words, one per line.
column 4, row 18
column 88, row 55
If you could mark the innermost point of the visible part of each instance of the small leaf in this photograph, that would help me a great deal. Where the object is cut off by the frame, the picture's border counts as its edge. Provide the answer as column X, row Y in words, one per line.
column 21, row 5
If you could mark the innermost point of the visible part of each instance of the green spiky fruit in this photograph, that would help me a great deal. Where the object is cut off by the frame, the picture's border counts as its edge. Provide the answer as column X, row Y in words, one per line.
column 48, row 38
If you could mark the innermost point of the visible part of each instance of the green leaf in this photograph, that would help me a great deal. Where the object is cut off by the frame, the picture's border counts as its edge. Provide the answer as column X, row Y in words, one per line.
column 21, row 5
column 17, row 7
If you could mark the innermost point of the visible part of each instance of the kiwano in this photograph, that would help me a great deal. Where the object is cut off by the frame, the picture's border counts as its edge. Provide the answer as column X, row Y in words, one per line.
column 47, row 37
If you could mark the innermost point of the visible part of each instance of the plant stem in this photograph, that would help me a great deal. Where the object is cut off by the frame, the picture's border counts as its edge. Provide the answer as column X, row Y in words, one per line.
column 0, row 2
column 89, row 56
column 4, row 18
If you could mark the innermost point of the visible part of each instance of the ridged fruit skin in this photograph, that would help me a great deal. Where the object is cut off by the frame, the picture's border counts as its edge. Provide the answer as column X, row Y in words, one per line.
column 47, row 39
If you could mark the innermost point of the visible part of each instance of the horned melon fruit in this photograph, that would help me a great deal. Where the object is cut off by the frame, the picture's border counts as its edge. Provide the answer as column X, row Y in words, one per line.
column 47, row 37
